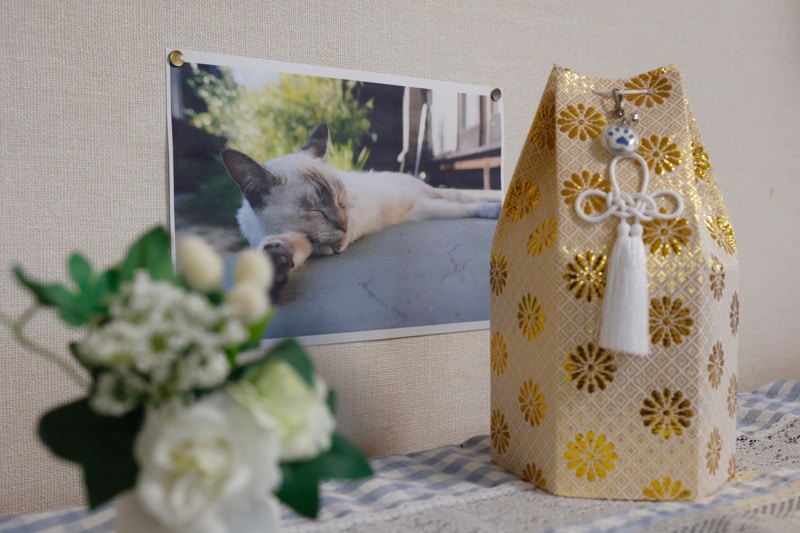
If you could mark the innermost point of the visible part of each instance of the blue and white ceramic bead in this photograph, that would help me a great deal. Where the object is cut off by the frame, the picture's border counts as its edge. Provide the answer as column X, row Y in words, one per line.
column 620, row 139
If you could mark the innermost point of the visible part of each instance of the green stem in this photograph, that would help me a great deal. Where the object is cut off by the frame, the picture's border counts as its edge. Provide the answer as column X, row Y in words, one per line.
column 19, row 335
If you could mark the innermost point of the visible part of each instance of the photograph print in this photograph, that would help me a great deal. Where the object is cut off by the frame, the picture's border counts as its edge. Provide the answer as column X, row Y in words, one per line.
column 375, row 197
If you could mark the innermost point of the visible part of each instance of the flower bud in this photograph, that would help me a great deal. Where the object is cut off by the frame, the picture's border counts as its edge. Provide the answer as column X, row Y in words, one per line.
column 199, row 264
column 255, row 267
column 248, row 300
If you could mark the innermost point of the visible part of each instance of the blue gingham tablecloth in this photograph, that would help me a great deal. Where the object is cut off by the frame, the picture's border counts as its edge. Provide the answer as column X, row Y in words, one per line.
column 457, row 488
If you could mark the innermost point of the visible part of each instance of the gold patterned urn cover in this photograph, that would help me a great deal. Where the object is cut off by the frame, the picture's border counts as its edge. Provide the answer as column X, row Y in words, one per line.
column 570, row 416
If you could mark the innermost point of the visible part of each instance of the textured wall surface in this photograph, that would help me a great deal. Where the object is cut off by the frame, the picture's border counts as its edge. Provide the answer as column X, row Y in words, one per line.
column 83, row 167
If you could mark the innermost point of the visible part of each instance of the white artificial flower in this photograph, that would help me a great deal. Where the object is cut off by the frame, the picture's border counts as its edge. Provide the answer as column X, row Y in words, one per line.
column 254, row 266
column 248, row 300
column 208, row 468
column 115, row 394
column 202, row 369
column 277, row 396
column 199, row 264
column 174, row 340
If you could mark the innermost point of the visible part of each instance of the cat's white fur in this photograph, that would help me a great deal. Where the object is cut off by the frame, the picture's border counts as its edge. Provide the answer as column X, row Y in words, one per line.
column 371, row 201
column 376, row 200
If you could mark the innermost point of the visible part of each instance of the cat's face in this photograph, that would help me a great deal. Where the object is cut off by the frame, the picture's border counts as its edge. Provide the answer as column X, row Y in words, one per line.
column 297, row 192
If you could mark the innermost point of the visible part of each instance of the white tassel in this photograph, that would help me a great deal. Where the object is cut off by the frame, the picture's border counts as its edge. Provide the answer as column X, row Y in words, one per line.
column 626, row 301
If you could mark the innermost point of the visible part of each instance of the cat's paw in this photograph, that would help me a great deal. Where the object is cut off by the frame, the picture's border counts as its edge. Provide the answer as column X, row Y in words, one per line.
column 281, row 256
column 489, row 210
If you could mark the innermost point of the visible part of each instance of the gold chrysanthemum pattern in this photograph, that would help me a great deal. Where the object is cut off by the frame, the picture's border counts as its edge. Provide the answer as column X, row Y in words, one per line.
column 691, row 290
column 591, row 456
column 702, row 167
column 531, row 403
column 722, row 233
column 498, row 354
column 500, row 434
column 733, row 390
column 717, row 278
column 533, row 474
column 577, row 183
column 586, row 276
column 543, row 133
column 664, row 236
column 590, row 367
column 734, row 314
column 530, row 317
column 658, row 86
column 666, row 412
column 661, row 154
column 581, row 121
column 713, row 451
column 522, row 197
column 542, row 237
column 666, row 490
column 731, row 467
column 498, row 273
column 670, row 321
column 716, row 363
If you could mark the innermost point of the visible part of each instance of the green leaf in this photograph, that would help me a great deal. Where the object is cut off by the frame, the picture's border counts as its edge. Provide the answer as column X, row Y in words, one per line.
column 52, row 295
column 256, row 331
column 298, row 492
column 342, row 461
column 74, row 349
column 151, row 252
column 331, row 401
column 101, row 445
column 74, row 315
column 55, row 295
column 293, row 353
column 80, row 270
column 300, row 489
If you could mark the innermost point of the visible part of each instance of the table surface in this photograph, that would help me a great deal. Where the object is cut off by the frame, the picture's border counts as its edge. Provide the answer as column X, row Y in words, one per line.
column 457, row 488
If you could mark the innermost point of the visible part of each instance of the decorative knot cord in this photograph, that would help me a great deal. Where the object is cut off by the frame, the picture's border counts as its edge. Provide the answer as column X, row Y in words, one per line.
column 625, row 326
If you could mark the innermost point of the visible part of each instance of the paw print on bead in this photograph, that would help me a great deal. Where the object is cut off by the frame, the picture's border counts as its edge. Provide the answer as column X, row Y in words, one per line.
column 620, row 140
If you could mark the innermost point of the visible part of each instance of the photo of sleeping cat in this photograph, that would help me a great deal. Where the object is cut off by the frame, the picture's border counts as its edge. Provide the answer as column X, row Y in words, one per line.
column 298, row 205
column 375, row 196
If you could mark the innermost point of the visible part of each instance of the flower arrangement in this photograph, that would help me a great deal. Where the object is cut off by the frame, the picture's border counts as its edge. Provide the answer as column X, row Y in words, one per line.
column 200, row 437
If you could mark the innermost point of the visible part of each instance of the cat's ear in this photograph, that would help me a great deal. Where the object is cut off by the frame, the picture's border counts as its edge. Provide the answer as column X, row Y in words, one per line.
column 254, row 180
column 317, row 144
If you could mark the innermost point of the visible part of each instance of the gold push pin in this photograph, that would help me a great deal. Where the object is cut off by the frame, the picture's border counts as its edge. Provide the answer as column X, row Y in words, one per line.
column 176, row 58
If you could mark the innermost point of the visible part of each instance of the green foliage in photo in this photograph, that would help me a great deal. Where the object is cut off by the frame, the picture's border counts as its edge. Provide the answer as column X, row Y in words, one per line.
column 268, row 122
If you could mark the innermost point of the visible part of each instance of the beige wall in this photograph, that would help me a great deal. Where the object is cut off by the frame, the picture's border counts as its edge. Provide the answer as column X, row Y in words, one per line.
column 83, row 166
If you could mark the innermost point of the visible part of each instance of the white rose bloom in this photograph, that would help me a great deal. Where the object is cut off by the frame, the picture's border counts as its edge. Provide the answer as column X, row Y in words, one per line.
column 277, row 396
column 199, row 264
column 248, row 301
column 254, row 266
column 208, row 469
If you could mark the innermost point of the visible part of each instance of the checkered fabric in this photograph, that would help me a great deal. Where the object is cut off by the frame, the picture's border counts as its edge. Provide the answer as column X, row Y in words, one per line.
column 460, row 485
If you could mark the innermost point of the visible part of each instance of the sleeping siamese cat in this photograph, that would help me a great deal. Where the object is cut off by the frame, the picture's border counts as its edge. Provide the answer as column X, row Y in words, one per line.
column 298, row 205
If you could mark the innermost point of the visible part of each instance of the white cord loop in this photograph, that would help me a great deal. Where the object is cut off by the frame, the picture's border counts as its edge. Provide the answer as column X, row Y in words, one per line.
column 639, row 205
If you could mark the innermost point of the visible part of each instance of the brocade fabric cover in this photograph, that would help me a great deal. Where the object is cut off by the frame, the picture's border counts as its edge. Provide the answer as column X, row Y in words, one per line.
column 569, row 416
